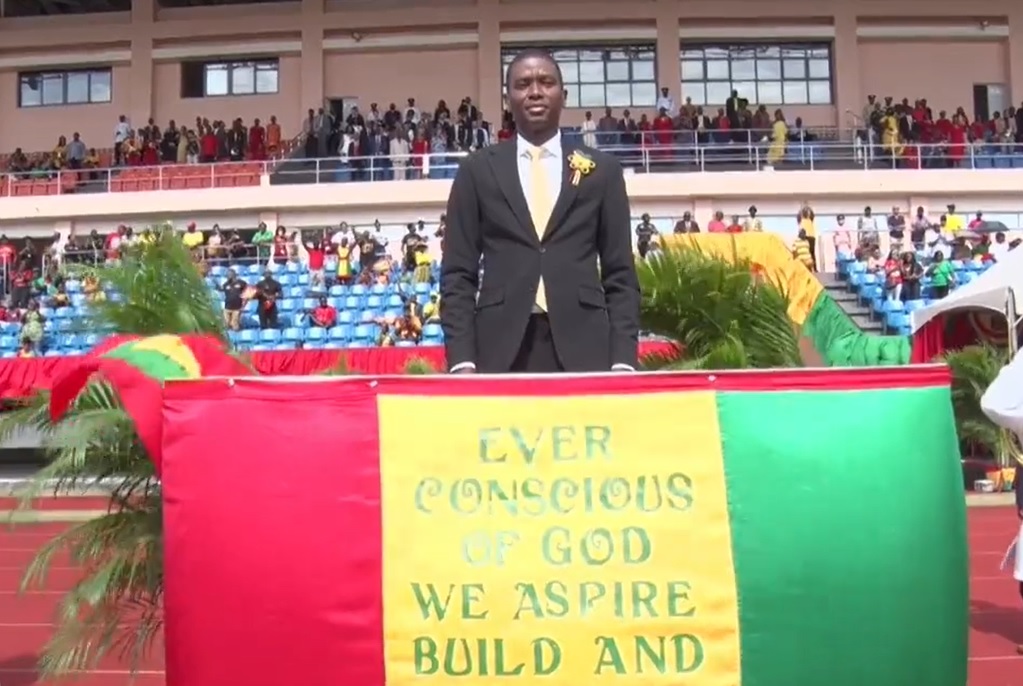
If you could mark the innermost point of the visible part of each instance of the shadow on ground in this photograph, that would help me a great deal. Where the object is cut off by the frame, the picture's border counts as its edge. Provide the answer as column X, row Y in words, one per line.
column 19, row 671
column 998, row 620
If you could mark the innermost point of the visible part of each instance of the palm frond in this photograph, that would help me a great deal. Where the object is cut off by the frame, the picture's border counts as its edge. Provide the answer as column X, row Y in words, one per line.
column 974, row 368
column 719, row 310
column 116, row 607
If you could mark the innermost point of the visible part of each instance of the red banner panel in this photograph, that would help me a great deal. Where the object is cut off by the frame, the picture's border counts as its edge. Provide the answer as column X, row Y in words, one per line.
column 273, row 534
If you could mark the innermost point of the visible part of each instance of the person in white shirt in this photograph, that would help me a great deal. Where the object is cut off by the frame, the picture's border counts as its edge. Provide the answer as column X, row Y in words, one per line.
column 665, row 102
column 999, row 249
column 122, row 132
column 589, row 129
column 400, row 151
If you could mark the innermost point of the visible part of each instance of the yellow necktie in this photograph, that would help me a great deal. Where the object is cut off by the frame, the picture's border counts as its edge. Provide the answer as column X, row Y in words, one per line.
column 540, row 207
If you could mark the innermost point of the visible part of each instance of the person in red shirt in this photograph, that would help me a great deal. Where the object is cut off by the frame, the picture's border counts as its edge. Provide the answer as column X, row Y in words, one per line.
column 113, row 244
column 663, row 133
column 7, row 253
column 208, row 146
column 505, row 133
column 281, row 247
column 420, row 149
column 21, row 285
column 957, row 141
column 257, row 141
column 735, row 226
column 316, row 249
column 150, row 155
column 324, row 315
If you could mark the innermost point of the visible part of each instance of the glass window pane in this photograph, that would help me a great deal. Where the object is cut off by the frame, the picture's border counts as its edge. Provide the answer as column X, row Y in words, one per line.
column 695, row 91
column 569, row 71
column 618, row 94
column 618, row 71
column 571, row 95
column 591, row 95
column 591, row 55
column 771, row 52
column 747, row 90
column 53, row 89
column 216, row 79
column 691, row 53
column 768, row 70
column 768, row 93
column 590, row 72
column 243, row 79
column 717, row 70
column 820, row 69
column 795, row 93
column 617, row 55
column 559, row 55
column 823, row 52
column 644, row 94
column 795, row 69
column 692, row 70
column 718, row 92
column 744, row 70
column 77, row 87
column 788, row 52
column 714, row 53
column 31, row 93
column 644, row 70
column 266, row 80
column 100, row 87
column 820, row 93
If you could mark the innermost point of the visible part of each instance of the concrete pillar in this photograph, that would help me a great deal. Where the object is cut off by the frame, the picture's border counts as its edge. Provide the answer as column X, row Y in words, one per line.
column 143, row 14
column 669, row 72
column 312, row 55
column 1014, row 51
column 488, row 56
column 845, row 73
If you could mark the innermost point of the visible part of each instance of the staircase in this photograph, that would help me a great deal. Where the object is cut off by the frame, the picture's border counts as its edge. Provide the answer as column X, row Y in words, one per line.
column 860, row 314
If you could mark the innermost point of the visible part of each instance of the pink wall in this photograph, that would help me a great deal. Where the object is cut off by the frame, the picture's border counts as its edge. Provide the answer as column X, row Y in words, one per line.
column 306, row 34
column 944, row 72
column 285, row 104
column 386, row 77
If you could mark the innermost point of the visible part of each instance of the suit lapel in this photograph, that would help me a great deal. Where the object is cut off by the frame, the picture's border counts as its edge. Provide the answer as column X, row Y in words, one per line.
column 506, row 170
column 565, row 199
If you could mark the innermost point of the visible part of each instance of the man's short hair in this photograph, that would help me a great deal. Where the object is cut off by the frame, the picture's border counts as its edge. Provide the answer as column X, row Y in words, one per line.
column 532, row 52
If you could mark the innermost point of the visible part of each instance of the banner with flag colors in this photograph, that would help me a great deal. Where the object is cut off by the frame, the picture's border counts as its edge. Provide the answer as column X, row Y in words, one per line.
column 753, row 528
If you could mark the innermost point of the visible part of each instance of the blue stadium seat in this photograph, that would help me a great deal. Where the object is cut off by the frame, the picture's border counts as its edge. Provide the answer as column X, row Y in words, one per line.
column 353, row 302
column 315, row 334
column 364, row 332
column 269, row 335
column 294, row 334
column 340, row 333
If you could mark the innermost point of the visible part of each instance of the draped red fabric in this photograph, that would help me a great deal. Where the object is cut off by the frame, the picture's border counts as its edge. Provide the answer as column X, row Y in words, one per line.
column 21, row 377
column 928, row 341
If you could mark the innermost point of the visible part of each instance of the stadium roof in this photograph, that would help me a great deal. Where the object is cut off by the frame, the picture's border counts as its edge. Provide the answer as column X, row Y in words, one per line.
column 35, row 8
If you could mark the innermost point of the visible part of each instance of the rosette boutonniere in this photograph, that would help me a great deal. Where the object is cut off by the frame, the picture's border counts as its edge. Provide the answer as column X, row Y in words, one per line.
column 581, row 166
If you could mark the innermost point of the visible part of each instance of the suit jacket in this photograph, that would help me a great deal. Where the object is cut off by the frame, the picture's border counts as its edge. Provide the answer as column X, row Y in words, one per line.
column 593, row 306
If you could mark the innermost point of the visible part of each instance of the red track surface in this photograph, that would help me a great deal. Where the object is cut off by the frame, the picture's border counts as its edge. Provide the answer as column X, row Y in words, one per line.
column 996, row 618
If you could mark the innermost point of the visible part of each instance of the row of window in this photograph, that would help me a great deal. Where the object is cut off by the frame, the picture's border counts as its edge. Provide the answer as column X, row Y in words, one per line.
column 622, row 76
column 198, row 80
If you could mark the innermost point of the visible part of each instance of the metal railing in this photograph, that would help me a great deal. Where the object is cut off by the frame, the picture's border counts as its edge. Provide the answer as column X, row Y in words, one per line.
column 651, row 155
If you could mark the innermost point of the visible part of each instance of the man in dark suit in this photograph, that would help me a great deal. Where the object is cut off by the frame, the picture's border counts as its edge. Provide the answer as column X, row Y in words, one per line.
column 559, row 290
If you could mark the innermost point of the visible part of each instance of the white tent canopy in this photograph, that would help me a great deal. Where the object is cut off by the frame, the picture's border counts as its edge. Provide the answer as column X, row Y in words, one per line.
column 990, row 291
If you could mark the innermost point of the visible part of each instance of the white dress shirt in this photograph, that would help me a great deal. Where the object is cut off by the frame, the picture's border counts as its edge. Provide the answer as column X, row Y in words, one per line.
column 551, row 156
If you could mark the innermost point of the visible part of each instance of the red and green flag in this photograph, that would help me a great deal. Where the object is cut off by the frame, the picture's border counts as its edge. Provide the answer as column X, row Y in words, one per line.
column 137, row 367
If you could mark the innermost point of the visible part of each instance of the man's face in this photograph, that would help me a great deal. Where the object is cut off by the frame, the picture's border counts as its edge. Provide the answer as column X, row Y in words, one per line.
column 535, row 94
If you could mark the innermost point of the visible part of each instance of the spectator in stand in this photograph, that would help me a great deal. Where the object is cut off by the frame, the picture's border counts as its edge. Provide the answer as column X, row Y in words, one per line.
column 808, row 224
column 122, row 131
column 687, row 224
column 8, row 253
column 316, row 252
column 801, row 250
column 752, row 223
column 268, row 291
column 281, row 246
column 841, row 237
column 273, row 136
column 32, row 323
column 215, row 249
column 896, row 227
column 734, row 226
column 717, row 224
column 953, row 222
column 976, row 221
column 263, row 241
column 208, row 146
column 234, row 300
column 76, row 152
column 324, row 315
column 193, row 239
column 942, row 275
column 999, row 249
column 645, row 232
column 912, row 272
column 779, row 139
column 257, row 141
column 866, row 227
column 893, row 276
column 21, row 284
column 918, row 229
column 400, row 152
column 344, row 261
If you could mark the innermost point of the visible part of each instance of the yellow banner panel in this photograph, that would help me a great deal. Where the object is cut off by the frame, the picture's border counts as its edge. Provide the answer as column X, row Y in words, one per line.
column 581, row 540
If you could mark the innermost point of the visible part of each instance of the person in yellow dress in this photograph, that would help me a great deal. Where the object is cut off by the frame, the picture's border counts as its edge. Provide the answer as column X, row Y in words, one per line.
column 344, row 262
column 890, row 136
column 808, row 228
column 801, row 249
column 779, row 137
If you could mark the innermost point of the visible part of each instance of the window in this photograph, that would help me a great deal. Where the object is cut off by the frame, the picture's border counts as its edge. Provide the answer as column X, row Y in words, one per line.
column 213, row 79
column 788, row 74
column 80, row 87
column 613, row 76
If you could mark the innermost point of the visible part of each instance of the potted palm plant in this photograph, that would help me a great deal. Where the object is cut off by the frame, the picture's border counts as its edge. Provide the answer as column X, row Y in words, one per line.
column 974, row 368
column 116, row 606
column 721, row 312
